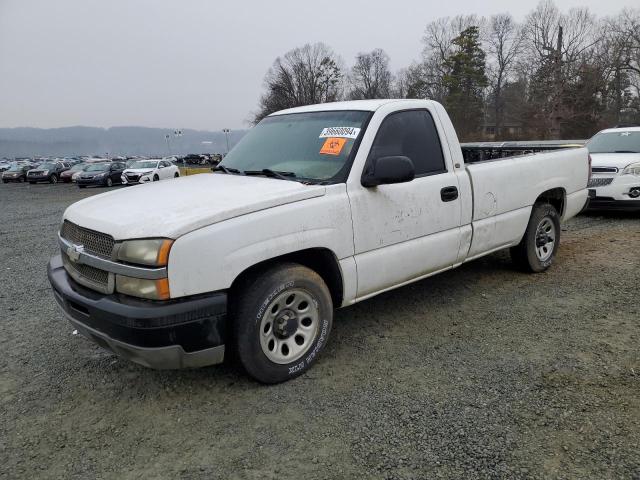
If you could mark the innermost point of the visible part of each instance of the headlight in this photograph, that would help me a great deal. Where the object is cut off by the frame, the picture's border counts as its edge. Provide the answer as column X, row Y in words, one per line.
column 632, row 169
column 147, row 173
column 45, row 172
column 138, row 287
column 154, row 252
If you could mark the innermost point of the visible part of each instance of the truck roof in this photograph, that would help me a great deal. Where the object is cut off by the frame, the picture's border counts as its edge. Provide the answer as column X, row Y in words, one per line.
column 363, row 105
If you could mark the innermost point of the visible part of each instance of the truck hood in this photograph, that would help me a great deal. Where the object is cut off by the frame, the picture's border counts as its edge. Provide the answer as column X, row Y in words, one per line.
column 618, row 160
column 172, row 208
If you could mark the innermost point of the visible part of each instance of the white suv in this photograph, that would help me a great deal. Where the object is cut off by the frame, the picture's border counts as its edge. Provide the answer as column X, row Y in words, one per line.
column 152, row 170
column 615, row 168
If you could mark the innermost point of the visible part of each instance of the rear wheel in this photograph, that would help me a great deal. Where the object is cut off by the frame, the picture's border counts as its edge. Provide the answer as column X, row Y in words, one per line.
column 281, row 320
column 176, row 175
column 537, row 250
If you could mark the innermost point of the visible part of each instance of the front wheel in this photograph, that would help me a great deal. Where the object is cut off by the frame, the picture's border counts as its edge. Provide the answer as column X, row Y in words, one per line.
column 538, row 248
column 109, row 182
column 176, row 175
column 156, row 178
column 281, row 322
column 53, row 178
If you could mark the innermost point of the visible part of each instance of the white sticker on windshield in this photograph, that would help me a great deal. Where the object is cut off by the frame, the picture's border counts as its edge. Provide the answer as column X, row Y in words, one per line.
column 340, row 132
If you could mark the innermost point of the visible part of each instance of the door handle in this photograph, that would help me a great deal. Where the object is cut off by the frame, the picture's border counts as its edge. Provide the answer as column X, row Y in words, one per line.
column 448, row 194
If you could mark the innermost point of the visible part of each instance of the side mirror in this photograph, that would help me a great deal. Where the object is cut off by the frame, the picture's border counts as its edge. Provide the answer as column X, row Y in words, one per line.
column 386, row 170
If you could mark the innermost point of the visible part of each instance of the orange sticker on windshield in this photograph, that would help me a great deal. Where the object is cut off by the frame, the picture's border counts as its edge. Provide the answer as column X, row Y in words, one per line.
column 333, row 146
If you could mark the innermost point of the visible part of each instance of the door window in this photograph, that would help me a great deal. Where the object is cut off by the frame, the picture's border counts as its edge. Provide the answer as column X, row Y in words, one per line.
column 412, row 134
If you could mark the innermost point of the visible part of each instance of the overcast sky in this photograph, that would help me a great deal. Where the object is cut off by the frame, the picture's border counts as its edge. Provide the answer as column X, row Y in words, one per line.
column 192, row 63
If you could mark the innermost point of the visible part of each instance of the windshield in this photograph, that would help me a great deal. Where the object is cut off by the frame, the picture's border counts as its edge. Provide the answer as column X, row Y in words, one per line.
column 77, row 167
column 612, row 142
column 47, row 166
column 97, row 167
column 144, row 164
column 314, row 145
column 16, row 167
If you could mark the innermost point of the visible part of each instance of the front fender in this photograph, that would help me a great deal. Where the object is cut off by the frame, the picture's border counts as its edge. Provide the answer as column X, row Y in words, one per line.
column 211, row 258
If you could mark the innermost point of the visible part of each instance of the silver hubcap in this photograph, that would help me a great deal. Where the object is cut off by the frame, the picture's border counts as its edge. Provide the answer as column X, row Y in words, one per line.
column 545, row 239
column 288, row 326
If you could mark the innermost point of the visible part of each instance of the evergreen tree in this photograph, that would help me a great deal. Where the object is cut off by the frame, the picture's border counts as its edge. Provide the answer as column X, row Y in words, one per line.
column 465, row 83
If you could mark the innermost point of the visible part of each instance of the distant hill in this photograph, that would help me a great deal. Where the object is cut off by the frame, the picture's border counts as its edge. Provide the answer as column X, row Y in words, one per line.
column 69, row 141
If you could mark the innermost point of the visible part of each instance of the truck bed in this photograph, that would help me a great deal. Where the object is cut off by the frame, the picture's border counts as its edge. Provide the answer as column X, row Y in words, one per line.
column 505, row 190
column 482, row 151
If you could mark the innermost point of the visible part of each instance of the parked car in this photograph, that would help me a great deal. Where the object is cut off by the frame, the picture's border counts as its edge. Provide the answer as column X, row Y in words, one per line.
column 105, row 174
column 317, row 207
column 615, row 167
column 4, row 166
column 144, row 171
column 16, row 173
column 47, row 172
column 67, row 175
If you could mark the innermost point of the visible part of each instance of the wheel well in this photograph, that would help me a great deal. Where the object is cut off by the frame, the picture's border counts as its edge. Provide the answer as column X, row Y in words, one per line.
column 321, row 260
column 555, row 197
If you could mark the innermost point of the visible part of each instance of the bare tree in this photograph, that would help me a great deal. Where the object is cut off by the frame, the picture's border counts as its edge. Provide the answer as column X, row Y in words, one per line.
column 557, row 46
column 303, row 76
column 504, row 39
column 370, row 76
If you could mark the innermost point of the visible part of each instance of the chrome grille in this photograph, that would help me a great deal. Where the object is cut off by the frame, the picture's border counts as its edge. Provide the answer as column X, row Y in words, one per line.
column 599, row 182
column 87, row 275
column 94, row 242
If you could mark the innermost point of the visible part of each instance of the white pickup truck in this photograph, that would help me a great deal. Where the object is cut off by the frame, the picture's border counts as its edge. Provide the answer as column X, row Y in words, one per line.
column 318, row 207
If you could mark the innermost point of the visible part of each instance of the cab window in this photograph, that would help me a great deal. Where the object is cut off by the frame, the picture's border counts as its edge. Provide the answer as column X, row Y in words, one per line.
column 411, row 134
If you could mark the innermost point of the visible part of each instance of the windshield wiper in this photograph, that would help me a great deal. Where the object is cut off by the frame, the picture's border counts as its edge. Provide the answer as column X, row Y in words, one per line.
column 272, row 173
column 227, row 170
column 625, row 151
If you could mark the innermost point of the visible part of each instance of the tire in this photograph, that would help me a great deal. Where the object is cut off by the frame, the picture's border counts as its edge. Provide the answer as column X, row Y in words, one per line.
column 82, row 186
column 53, row 179
column 5, row 181
column 176, row 175
column 109, row 182
column 156, row 178
column 305, row 323
column 20, row 179
column 538, row 248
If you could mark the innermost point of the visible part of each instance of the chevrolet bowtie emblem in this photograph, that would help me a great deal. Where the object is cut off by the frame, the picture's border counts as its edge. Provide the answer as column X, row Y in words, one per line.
column 74, row 251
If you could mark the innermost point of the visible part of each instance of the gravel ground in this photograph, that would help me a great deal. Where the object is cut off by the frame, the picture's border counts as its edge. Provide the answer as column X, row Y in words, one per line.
column 482, row 372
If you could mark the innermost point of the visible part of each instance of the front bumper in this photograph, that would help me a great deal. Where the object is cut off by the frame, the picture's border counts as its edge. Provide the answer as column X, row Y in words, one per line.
column 609, row 203
column 91, row 181
column 130, row 181
column 7, row 178
column 37, row 178
column 181, row 333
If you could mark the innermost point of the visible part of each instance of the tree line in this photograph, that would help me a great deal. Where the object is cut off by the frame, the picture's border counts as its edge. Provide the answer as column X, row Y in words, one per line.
column 554, row 75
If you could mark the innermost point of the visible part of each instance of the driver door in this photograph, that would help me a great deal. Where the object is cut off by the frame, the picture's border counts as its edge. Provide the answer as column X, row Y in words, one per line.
column 408, row 230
